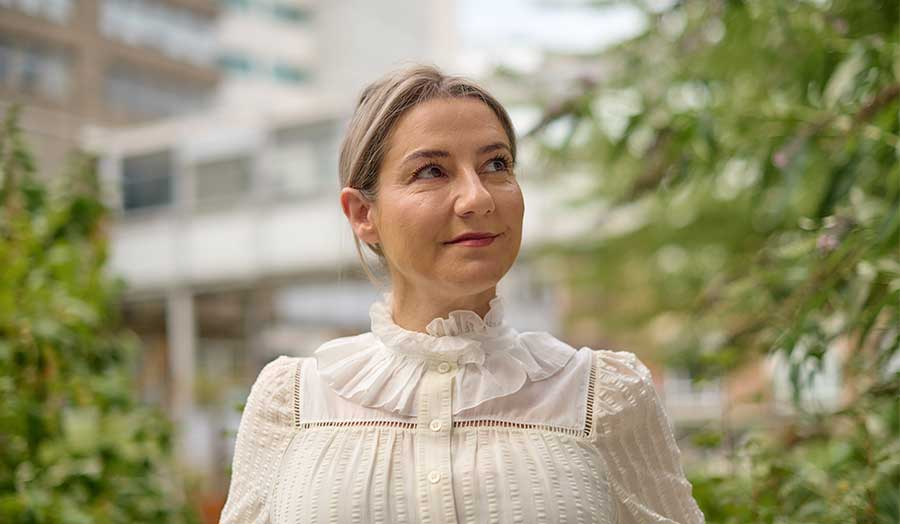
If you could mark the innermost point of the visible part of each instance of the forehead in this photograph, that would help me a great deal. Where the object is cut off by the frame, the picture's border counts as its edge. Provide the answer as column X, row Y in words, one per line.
column 445, row 123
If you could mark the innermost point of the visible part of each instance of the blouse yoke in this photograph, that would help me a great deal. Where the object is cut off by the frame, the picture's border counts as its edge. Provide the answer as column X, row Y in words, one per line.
column 469, row 422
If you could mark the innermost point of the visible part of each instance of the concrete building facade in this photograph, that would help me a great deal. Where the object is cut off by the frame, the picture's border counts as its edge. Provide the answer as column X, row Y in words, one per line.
column 113, row 62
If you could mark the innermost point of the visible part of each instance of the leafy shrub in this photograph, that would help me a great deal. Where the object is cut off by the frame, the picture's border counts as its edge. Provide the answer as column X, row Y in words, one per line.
column 76, row 446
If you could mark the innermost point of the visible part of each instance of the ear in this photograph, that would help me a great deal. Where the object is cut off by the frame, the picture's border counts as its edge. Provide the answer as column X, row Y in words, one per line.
column 360, row 213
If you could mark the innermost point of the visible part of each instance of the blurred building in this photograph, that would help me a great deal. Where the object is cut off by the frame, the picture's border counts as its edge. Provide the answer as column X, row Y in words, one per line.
column 267, row 50
column 71, row 63
column 271, row 51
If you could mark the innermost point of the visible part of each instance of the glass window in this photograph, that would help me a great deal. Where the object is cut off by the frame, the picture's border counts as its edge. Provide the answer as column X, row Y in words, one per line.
column 32, row 7
column 31, row 66
column 177, row 32
column 34, row 69
column 147, row 181
column 54, row 10
column 302, row 160
column 141, row 93
column 238, row 4
column 290, row 13
column 235, row 62
column 222, row 181
column 58, row 10
column 7, row 62
column 292, row 169
column 283, row 10
column 55, row 77
column 289, row 74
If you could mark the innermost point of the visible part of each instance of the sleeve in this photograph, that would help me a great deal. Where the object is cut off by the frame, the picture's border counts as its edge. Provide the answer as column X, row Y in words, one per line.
column 263, row 434
column 636, row 440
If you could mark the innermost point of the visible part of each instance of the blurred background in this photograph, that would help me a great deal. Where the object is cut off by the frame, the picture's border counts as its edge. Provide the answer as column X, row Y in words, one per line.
column 712, row 185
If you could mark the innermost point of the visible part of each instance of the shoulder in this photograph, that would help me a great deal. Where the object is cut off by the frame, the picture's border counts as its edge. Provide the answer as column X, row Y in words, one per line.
column 623, row 391
column 622, row 365
column 278, row 372
column 273, row 390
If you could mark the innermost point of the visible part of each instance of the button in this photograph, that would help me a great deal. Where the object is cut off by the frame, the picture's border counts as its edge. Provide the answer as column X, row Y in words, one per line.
column 444, row 367
column 435, row 425
column 434, row 476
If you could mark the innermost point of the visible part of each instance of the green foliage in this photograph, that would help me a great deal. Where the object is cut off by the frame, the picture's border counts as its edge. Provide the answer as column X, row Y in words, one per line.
column 830, row 469
column 76, row 446
column 751, row 148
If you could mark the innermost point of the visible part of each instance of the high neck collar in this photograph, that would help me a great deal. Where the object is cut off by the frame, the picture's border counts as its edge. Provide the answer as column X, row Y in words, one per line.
column 460, row 322
column 456, row 338
column 383, row 368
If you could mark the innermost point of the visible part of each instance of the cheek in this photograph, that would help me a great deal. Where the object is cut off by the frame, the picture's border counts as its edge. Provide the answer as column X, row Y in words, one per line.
column 513, row 204
column 414, row 227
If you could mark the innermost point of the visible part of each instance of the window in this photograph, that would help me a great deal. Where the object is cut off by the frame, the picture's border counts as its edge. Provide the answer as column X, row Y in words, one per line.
column 239, row 63
column 142, row 93
column 147, row 181
column 289, row 74
column 237, row 4
column 302, row 160
column 177, row 32
column 147, row 319
column 282, row 10
column 54, row 10
column 290, row 13
column 35, row 68
column 235, row 62
column 292, row 169
column 222, row 181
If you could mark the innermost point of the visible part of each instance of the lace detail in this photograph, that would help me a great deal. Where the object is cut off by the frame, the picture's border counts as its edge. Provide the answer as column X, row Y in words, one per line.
column 589, row 407
column 298, row 397
column 383, row 368
column 456, row 424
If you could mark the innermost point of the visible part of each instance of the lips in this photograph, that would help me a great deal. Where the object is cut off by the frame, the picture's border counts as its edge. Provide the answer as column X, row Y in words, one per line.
column 472, row 236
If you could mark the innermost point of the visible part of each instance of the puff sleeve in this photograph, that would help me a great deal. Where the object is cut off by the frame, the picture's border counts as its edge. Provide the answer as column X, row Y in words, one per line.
column 264, row 432
column 636, row 440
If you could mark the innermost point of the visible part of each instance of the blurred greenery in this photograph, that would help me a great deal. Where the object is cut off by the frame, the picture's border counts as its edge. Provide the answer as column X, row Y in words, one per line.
column 743, row 158
column 76, row 446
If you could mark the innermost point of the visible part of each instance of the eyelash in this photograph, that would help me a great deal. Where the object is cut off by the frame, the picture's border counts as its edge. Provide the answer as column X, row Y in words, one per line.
column 503, row 158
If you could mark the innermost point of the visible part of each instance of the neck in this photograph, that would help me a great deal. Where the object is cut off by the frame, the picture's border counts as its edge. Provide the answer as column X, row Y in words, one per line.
column 413, row 309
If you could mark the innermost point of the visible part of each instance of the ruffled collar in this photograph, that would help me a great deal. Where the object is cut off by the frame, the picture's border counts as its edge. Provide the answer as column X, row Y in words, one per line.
column 383, row 368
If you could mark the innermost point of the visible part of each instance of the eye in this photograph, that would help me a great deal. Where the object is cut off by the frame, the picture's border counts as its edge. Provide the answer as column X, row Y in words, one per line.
column 426, row 172
column 499, row 163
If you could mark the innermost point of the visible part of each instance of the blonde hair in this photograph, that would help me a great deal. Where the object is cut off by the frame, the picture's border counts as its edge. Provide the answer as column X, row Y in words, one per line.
column 380, row 106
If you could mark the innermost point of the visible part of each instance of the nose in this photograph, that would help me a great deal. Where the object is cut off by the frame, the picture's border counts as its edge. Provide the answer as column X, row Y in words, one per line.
column 472, row 196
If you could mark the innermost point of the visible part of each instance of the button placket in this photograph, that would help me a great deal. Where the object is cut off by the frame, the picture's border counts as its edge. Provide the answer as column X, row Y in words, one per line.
column 435, row 419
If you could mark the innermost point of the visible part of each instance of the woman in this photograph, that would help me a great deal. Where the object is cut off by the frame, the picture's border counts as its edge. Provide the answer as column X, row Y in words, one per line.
column 442, row 412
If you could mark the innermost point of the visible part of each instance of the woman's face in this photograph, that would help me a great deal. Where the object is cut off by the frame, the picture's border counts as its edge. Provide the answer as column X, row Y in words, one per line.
column 447, row 171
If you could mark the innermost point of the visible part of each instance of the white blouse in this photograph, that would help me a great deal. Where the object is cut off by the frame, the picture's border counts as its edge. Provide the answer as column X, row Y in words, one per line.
column 470, row 422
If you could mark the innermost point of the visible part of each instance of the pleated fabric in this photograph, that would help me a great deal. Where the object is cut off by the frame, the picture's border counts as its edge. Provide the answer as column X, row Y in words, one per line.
column 590, row 444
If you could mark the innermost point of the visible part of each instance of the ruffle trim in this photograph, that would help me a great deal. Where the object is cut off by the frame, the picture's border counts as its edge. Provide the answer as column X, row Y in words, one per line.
column 383, row 369
column 364, row 370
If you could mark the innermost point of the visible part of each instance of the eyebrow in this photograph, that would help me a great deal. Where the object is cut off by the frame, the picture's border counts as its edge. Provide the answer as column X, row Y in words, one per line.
column 438, row 153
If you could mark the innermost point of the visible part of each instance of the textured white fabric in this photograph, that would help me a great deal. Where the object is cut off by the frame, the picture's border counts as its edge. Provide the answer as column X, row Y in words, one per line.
column 384, row 368
column 470, row 422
